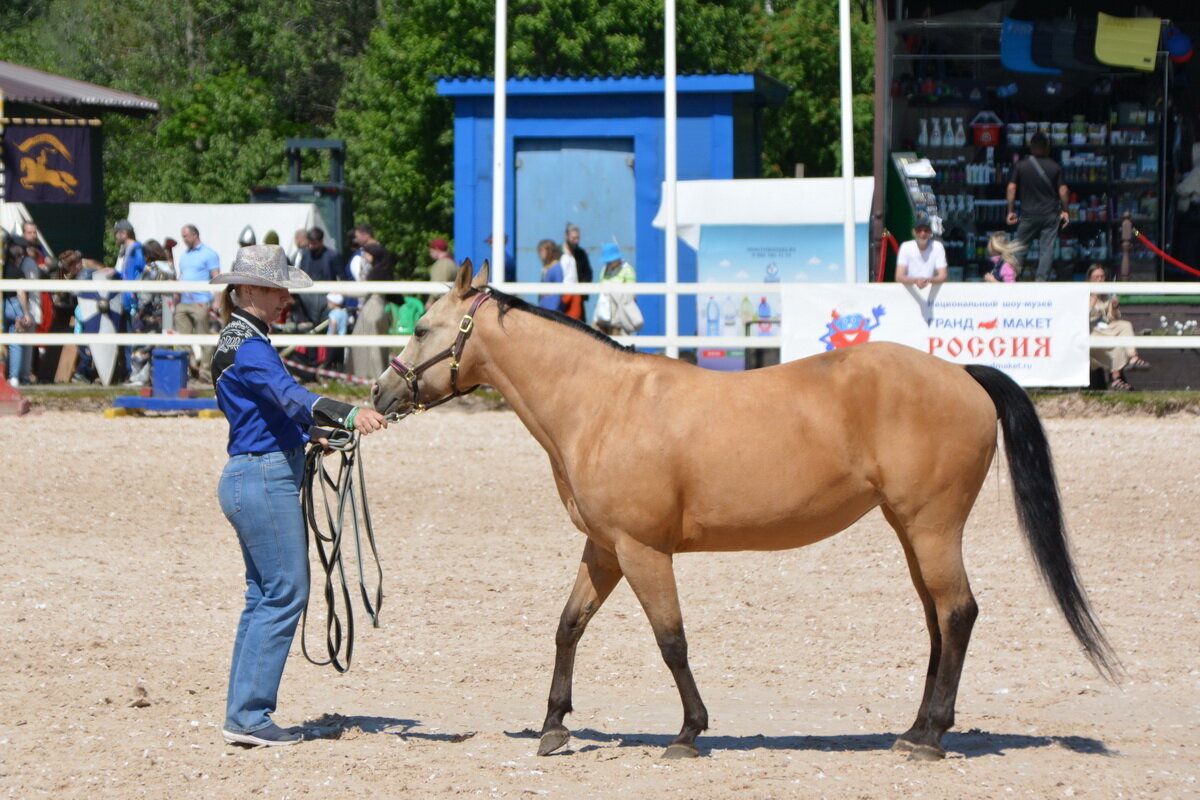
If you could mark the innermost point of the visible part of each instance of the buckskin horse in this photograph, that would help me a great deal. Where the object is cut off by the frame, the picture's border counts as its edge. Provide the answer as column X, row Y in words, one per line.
column 806, row 449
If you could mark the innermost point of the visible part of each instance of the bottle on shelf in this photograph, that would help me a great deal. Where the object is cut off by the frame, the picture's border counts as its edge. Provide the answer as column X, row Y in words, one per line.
column 960, row 135
column 935, row 135
column 923, row 136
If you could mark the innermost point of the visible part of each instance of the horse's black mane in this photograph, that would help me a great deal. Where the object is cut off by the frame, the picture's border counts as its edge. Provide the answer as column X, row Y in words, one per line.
column 508, row 302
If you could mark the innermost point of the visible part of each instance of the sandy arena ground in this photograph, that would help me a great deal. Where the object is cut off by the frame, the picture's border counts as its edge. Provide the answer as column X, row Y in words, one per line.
column 121, row 583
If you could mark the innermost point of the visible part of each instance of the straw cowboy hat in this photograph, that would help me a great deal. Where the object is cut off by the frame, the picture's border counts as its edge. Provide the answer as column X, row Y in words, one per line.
column 264, row 265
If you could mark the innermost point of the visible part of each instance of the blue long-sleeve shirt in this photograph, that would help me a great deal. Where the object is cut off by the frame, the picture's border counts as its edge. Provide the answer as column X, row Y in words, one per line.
column 266, row 408
column 131, row 270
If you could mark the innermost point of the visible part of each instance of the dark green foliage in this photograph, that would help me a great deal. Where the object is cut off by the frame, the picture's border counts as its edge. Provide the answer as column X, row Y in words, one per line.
column 235, row 78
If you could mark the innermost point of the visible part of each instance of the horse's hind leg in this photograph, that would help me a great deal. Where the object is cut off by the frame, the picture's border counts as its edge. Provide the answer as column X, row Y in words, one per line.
column 598, row 575
column 652, row 579
column 935, row 563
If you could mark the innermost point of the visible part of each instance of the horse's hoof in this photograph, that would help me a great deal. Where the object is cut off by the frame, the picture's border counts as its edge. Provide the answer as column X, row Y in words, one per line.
column 681, row 750
column 926, row 752
column 552, row 740
column 903, row 746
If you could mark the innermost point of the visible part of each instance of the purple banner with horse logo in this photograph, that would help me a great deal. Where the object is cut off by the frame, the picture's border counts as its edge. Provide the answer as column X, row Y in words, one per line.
column 48, row 164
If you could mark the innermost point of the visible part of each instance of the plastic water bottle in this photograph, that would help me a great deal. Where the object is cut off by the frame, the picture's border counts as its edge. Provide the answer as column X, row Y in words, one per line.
column 729, row 316
column 747, row 316
column 764, row 315
column 713, row 315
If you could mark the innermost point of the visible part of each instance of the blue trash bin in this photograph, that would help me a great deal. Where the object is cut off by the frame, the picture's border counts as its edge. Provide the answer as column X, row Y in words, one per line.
column 169, row 375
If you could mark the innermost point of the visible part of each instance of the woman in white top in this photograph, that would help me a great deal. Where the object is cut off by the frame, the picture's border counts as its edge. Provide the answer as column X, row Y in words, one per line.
column 922, row 260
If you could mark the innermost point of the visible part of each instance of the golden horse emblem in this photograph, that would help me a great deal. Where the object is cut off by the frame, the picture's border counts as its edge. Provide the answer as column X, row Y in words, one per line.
column 34, row 169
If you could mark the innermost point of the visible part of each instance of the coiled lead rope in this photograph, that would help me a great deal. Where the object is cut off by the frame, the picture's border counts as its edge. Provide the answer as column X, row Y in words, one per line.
column 343, row 493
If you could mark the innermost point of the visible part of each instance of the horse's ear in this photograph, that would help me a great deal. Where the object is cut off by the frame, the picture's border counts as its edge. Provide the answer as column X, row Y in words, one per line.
column 481, row 280
column 462, row 283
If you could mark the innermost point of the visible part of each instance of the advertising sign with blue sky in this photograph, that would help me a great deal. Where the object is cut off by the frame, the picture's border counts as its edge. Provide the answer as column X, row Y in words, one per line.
column 766, row 254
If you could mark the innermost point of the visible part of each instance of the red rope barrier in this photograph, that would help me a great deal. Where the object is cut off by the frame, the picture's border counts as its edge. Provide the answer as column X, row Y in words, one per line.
column 328, row 373
column 887, row 239
column 1153, row 248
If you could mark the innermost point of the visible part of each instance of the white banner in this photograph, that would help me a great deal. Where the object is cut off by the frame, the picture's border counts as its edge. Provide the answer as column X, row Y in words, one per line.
column 1035, row 332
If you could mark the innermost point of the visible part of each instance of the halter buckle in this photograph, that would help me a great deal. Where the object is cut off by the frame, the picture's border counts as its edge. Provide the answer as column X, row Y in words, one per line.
column 467, row 323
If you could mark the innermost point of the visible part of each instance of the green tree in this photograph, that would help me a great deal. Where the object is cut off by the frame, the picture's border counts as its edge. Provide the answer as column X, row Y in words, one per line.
column 399, row 131
column 799, row 46
column 233, row 78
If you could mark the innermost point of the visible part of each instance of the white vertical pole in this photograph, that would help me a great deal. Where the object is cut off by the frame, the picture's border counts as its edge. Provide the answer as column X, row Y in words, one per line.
column 670, row 116
column 499, row 141
column 847, row 141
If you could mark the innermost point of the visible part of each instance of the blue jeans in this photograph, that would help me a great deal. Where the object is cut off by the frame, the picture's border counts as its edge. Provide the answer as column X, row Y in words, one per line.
column 260, row 495
column 16, row 352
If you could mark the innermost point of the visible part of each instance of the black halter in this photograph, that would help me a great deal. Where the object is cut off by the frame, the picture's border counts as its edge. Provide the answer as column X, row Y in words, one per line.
column 411, row 375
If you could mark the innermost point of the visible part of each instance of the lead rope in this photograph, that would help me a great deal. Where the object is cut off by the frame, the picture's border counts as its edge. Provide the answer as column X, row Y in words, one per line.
column 340, row 492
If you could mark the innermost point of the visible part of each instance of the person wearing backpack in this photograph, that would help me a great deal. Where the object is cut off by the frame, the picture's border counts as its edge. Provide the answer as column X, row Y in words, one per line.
column 1037, row 182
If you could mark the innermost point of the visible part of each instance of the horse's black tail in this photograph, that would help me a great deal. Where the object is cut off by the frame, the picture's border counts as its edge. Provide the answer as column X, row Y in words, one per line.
column 1035, row 491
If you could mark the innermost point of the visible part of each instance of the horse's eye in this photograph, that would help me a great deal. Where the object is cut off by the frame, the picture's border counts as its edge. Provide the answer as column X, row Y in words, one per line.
column 420, row 332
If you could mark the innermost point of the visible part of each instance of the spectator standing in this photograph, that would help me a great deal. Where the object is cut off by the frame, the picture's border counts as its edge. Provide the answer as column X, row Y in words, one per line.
column 921, row 261
column 299, row 249
column 131, row 260
column 552, row 272
column 577, row 267
column 20, row 307
column 373, row 320
column 62, row 319
column 199, row 262
column 1004, row 257
column 83, row 269
column 321, row 264
column 149, row 309
column 33, row 239
column 270, row 417
column 339, row 325
column 612, row 318
column 356, row 267
column 1104, row 314
column 44, row 313
column 1037, row 182
column 443, row 269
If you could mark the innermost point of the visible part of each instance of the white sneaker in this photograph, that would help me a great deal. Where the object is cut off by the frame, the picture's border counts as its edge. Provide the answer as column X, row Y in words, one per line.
column 14, row 382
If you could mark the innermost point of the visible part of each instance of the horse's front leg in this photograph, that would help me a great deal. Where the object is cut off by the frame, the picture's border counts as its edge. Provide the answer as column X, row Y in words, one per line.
column 598, row 575
column 652, row 579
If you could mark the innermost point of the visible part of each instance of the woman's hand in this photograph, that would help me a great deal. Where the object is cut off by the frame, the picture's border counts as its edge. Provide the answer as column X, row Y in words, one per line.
column 368, row 420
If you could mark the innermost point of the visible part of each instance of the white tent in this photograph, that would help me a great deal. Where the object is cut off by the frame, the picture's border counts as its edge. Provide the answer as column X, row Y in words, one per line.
column 13, row 216
column 764, row 201
column 220, row 225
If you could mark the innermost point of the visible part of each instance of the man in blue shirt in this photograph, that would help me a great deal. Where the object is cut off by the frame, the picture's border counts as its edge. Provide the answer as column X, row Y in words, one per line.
column 199, row 262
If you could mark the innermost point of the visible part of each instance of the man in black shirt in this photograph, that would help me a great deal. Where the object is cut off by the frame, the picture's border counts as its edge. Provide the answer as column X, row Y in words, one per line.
column 321, row 264
column 1037, row 181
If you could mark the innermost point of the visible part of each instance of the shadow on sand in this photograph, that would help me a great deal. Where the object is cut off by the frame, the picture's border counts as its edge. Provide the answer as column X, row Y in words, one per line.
column 334, row 726
column 969, row 744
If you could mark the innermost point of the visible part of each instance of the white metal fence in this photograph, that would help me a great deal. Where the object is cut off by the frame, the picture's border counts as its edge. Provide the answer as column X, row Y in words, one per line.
column 672, row 340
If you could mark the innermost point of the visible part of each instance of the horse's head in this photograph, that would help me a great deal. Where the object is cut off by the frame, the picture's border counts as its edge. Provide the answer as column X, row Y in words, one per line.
column 426, row 371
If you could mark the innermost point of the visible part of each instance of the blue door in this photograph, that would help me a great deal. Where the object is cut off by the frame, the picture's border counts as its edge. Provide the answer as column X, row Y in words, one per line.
column 588, row 182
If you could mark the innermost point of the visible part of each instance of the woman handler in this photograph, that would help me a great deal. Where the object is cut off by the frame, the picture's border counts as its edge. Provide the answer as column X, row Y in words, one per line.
column 269, row 417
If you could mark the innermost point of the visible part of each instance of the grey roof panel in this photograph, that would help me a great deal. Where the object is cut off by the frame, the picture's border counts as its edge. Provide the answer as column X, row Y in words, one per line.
column 26, row 84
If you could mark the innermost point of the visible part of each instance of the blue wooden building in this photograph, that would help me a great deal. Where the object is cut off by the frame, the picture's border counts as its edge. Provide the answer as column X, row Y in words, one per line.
column 590, row 151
